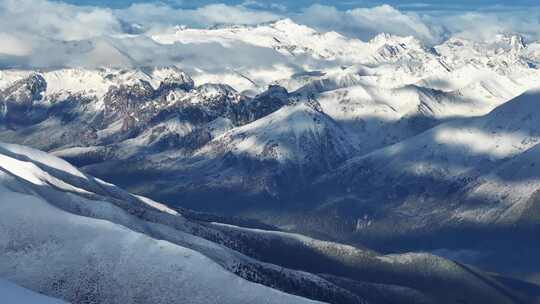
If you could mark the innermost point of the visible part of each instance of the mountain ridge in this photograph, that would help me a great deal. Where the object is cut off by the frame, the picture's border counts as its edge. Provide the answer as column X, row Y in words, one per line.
column 324, row 135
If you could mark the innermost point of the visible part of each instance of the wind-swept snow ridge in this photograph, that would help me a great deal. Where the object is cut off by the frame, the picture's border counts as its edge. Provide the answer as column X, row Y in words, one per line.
column 77, row 238
column 47, row 248
column 14, row 294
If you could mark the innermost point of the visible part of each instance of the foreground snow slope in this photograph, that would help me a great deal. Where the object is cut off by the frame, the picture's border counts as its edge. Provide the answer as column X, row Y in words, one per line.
column 46, row 248
column 71, row 236
column 68, row 256
column 14, row 294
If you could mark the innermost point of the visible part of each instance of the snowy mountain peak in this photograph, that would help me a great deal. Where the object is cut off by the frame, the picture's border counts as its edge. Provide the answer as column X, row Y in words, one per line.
column 274, row 92
column 385, row 39
column 391, row 48
column 213, row 90
column 499, row 45
column 17, row 99
column 516, row 42
column 288, row 25
column 25, row 90
column 176, row 81
column 296, row 134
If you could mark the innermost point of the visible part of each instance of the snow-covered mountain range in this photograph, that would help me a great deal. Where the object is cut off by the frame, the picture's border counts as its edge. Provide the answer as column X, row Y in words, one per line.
column 71, row 236
column 387, row 143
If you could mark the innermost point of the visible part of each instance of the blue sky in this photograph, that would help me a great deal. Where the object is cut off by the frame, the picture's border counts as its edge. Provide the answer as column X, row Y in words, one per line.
column 405, row 5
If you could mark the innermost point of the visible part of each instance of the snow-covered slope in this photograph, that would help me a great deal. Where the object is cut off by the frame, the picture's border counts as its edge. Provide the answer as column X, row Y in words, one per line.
column 292, row 39
column 311, row 131
column 377, row 116
column 299, row 134
column 71, row 243
column 303, row 46
column 105, row 256
column 286, row 148
column 471, row 172
column 284, row 36
column 420, row 271
column 14, row 294
column 401, row 60
column 71, row 236
column 366, row 95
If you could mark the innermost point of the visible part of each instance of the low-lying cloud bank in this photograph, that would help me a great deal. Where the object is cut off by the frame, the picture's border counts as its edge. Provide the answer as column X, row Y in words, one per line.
column 45, row 33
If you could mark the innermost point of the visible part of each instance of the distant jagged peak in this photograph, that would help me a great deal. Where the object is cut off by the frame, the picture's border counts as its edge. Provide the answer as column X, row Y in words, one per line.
column 158, row 76
column 34, row 83
column 215, row 92
column 224, row 26
column 140, row 90
column 285, row 25
column 148, row 83
column 17, row 99
column 288, row 25
column 163, row 70
column 211, row 89
column 457, row 42
column 274, row 91
column 511, row 38
column 388, row 47
column 497, row 44
column 174, row 78
column 383, row 39
column 285, row 22
column 512, row 42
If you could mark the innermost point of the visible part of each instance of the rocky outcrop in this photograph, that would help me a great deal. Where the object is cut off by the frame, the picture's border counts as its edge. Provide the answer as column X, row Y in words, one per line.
column 19, row 98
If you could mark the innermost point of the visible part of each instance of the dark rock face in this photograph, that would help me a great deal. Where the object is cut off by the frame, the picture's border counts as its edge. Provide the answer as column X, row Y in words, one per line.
column 125, row 102
column 174, row 118
column 136, row 111
column 126, row 97
column 136, row 104
column 177, row 82
column 139, row 112
column 25, row 90
column 18, row 99
column 129, row 109
column 140, row 104
column 265, row 103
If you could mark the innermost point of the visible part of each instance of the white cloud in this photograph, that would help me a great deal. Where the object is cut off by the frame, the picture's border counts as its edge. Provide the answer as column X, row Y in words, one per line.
column 367, row 22
column 42, row 33
column 56, row 20
column 13, row 46
column 484, row 26
column 430, row 26
column 45, row 33
column 155, row 17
